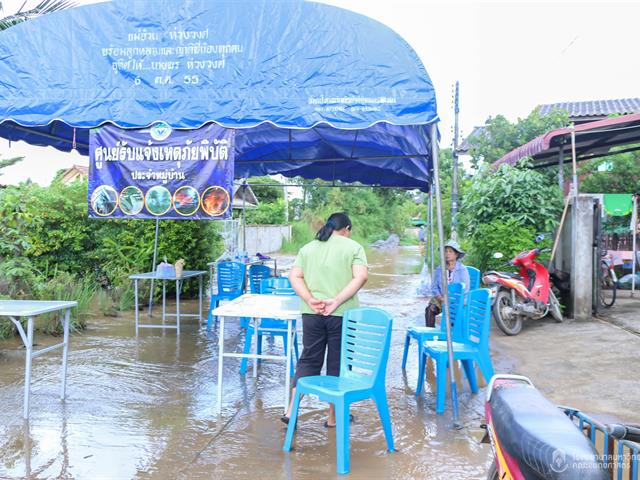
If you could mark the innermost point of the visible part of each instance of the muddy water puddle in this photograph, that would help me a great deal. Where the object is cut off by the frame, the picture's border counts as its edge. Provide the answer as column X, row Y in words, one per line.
column 146, row 407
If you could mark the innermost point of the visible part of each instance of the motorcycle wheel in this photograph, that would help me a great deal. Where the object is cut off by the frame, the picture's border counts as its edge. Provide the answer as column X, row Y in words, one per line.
column 509, row 324
column 554, row 307
column 607, row 292
column 492, row 474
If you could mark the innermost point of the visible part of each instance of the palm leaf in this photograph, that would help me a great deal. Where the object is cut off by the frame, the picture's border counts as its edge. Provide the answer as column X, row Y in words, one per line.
column 9, row 161
column 44, row 7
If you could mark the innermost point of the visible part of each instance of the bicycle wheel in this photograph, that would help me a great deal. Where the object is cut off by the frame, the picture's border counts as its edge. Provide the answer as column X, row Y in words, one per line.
column 607, row 293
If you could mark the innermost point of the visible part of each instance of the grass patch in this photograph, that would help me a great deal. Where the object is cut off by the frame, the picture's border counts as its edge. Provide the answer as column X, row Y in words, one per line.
column 65, row 287
column 301, row 234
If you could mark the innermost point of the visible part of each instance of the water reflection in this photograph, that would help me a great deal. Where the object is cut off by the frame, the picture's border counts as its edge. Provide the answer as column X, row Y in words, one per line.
column 145, row 407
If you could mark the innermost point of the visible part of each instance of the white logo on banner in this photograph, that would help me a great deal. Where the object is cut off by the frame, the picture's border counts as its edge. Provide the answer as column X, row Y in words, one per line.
column 160, row 131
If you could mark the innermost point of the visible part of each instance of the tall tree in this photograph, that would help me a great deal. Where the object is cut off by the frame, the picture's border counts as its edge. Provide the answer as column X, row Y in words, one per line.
column 612, row 174
column 501, row 136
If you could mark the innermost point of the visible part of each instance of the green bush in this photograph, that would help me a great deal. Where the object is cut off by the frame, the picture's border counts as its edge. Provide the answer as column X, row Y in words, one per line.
column 66, row 287
column 301, row 234
column 49, row 247
column 516, row 194
column 267, row 213
column 508, row 238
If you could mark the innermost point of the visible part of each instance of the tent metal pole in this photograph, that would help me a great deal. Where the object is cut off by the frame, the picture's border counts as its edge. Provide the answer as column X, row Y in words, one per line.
column 153, row 266
column 446, row 314
column 634, row 259
column 454, row 178
column 244, row 219
column 431, row 236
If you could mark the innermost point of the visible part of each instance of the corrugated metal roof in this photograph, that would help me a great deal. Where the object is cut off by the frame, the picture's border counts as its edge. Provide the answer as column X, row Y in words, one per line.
column 465, row 146
column 594, row 108
column 593, row 140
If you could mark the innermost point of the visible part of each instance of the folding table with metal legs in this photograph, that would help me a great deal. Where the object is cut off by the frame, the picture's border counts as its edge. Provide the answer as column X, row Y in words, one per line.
column 256, row 306
column 16, row 309
column 179, row 281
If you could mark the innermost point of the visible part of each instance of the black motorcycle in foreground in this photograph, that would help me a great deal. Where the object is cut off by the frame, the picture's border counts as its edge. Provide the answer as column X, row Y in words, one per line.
column 532, row 439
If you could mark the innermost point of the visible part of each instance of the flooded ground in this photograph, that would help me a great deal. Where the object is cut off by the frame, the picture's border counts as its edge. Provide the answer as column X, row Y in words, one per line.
column 145, row 407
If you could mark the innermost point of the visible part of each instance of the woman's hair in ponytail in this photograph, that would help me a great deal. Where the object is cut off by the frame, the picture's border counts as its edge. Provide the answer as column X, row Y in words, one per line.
column 337, row 221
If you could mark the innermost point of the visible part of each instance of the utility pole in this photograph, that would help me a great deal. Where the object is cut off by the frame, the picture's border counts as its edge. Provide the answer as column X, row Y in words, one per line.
column 454, row 179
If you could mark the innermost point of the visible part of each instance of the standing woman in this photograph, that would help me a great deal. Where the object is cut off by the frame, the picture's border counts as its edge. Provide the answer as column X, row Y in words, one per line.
column 456, row 273
column 326, row 275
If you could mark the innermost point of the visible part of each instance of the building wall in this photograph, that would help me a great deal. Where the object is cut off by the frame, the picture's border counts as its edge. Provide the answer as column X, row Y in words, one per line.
column 264, row 238
column 576, row 256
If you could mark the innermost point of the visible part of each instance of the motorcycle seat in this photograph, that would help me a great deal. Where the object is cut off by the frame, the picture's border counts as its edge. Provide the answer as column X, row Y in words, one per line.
column 509, row 275
column 545, row 443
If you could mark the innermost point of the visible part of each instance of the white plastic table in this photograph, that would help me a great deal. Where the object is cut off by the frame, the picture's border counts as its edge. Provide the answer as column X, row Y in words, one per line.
column 280, row 307
column 15, row 309
column 179, row 280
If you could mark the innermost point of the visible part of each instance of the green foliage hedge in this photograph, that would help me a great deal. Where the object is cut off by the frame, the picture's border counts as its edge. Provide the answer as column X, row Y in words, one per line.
column 503, row 211
column 508, row 238
column 47, row 237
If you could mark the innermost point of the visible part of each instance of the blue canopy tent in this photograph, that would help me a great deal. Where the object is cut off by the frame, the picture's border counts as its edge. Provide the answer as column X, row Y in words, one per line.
column 312, row 90
column 307, row 85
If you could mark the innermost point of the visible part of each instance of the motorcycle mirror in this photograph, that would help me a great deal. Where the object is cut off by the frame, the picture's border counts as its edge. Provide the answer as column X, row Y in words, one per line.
column 540, row 238
column 498, row 255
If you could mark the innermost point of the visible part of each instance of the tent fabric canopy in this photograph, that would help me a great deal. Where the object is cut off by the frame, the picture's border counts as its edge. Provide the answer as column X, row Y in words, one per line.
column 313, row 90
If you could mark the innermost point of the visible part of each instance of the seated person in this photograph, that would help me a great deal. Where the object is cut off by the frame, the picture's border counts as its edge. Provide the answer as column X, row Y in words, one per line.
column 456, row 273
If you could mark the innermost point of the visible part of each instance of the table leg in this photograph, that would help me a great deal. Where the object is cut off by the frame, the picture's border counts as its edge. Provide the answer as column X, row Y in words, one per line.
column 287, row 368
column 199, row 300
column 256, row 329
column 150, row 310
column 135, row 294
column 164, row 299
column 27, row 370
column 210, row 280
column 67, row 316
column 178, row 283
column 220, row 363
column 26, row 441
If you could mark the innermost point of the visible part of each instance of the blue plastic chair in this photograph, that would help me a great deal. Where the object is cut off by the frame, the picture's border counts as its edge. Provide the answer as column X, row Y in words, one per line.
column 257, row 273
column 271, row 326
column 230, row 277
column 366, row 336
column 473, row 348
column 422, row 334
column 474, row 278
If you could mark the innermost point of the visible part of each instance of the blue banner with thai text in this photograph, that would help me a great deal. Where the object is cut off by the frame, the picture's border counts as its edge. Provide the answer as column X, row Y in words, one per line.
column 158, row 172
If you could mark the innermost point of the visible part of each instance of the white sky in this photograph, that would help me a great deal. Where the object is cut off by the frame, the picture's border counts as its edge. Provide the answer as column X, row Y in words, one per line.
column 509, row 56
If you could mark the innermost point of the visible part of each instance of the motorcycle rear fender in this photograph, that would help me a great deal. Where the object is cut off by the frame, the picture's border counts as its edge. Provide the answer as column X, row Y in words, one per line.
column 514, row 284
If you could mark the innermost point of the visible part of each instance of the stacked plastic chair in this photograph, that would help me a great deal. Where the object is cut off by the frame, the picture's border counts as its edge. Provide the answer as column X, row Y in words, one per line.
column 366, row 337
column 230, row 276
column 257, row 273
column 271, row 326
column 474, row 278
column 472, row 348
column 422, row 334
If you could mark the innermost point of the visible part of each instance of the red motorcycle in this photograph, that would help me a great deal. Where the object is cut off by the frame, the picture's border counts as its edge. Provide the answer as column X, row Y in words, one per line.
column 524, row 295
